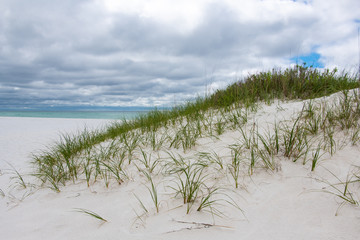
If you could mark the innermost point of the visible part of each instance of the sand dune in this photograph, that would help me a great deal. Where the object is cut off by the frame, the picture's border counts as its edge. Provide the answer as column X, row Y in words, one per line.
column 288, row 202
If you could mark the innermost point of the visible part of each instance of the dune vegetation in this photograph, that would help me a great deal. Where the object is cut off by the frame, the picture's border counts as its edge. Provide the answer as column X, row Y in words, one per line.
column 161, row 147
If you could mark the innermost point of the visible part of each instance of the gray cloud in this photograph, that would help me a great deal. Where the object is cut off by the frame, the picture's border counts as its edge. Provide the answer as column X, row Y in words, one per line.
column 78, row 53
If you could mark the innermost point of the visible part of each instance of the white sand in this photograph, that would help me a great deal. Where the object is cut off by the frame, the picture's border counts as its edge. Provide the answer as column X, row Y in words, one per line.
column 284, row 204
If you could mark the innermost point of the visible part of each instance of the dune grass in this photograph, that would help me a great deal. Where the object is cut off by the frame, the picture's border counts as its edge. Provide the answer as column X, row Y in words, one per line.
column 109, row 153
column 19, row 179
column 346, row 190
column 91, row 214
column 2, row 194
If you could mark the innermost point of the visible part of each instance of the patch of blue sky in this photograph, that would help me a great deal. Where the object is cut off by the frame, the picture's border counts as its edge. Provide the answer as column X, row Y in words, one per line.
column 303, row 1
column 311, row 59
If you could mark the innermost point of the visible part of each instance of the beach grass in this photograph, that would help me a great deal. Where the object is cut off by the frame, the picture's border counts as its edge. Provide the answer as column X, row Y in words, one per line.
column 91, row 214
column 19, row 179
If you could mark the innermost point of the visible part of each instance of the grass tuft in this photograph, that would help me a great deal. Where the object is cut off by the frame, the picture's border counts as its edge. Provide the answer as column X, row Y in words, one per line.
column 90, row 213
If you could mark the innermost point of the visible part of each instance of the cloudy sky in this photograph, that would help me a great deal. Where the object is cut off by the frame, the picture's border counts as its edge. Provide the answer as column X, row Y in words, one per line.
column 160, row 52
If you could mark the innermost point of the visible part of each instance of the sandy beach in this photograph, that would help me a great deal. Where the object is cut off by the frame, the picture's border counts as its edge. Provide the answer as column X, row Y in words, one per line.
column 180, row 120
column 289, row 202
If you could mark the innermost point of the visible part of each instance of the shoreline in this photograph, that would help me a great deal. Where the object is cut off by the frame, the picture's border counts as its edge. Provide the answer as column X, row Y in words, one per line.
column 105, row 115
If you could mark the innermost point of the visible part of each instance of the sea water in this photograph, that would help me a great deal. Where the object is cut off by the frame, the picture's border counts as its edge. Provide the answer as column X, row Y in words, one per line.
column 116, row 115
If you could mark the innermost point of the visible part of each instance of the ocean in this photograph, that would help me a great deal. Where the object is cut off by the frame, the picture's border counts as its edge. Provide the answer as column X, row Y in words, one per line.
column 116, row 115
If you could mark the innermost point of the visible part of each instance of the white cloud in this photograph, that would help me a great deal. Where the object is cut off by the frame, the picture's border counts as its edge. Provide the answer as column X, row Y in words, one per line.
column 116, row 52
column 185, row 15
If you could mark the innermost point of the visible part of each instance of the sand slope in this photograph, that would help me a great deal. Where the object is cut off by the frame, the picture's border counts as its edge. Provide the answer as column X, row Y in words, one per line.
column 287, row 203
